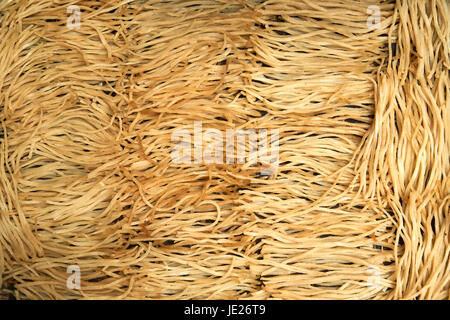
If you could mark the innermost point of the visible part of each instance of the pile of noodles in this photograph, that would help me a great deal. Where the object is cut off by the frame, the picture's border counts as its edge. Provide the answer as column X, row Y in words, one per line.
column 359, row 205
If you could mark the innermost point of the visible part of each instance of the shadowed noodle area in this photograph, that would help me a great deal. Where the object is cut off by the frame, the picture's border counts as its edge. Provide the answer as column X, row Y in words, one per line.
column 96, row 97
